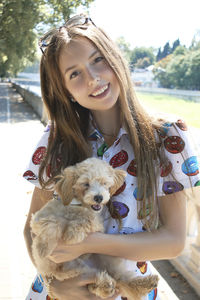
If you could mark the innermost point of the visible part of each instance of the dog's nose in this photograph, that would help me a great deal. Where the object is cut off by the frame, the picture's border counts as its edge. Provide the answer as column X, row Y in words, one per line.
column 98, row 198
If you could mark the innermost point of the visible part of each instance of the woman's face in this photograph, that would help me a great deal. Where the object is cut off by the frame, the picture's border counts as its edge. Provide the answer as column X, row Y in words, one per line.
column 88, row 77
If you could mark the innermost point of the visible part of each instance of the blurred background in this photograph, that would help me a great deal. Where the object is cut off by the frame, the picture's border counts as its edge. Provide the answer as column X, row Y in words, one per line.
column 161, row 41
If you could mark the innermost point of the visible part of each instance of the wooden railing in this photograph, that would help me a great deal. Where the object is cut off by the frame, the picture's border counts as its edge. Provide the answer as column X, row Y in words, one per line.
column 188, row 263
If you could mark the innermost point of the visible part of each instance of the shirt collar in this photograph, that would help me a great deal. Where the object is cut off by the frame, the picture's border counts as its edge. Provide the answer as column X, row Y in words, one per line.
column 94, row 133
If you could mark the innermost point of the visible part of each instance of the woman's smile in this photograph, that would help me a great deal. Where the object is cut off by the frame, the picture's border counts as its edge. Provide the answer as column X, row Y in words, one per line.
column 101, row 91
column 88, row 76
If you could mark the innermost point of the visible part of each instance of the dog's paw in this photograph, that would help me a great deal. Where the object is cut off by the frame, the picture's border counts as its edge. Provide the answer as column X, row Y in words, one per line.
column 104, row 286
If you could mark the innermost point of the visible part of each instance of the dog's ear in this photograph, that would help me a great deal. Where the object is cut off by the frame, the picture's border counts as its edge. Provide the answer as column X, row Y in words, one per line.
column 119, row 177
column 65, row 183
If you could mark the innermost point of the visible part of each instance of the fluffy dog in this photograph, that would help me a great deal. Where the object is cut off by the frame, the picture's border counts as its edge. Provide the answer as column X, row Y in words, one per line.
column 91, row 182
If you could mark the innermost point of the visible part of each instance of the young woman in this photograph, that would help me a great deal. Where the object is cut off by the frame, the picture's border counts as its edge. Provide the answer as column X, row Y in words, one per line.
column 93, row 111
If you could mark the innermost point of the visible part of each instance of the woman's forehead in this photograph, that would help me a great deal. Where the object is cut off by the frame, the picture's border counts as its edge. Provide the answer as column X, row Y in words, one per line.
column 77, row 51
column 78, row 47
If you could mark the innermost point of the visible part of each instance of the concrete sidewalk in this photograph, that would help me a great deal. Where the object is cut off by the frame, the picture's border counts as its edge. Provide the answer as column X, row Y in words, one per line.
column 20, row 130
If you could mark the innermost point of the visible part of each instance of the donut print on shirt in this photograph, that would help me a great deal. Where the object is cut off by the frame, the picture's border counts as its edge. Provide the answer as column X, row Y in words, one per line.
column 119, row 208
column 119, row 159
column 174, row 144
column 153, row 294
column 132, row 168
column 181, row 124
column 38, row 155
column 166, row 169
column 29, row 175
column 170, row 187
column 37, row 285
column 142, row 265
column 120, row 190
column 190, row 167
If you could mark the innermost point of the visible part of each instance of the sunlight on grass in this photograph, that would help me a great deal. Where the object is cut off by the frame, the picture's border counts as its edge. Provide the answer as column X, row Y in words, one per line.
column 164, row 104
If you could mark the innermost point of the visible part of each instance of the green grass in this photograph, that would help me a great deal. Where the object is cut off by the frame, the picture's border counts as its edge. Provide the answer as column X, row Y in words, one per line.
column 170, row 105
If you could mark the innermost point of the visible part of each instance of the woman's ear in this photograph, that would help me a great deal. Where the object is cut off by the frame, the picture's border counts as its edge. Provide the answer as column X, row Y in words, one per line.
column 65, row 183
column 119, row 177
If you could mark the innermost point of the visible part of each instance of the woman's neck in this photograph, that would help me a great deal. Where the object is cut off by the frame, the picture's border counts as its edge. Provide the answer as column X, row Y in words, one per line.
column 108, row 122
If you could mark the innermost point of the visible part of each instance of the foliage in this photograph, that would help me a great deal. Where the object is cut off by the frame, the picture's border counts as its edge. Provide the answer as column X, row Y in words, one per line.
column 17, row 37
column 180, row 70
column 142, row 57
column 167, row 49
column 20, row 22
column 124, row 47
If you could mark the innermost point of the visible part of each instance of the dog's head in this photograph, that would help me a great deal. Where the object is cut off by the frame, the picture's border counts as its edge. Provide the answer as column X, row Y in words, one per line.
column 92, row 182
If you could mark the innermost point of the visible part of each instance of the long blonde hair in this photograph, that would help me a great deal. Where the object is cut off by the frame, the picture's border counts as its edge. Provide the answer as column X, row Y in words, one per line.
column 70, row 121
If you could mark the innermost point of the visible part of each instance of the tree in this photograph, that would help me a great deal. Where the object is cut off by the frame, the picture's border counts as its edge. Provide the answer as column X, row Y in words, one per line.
column 20, row 22
column 167, row 50
column 176, row 43
column 124, row 47
column 159, row 55
column 141, row 53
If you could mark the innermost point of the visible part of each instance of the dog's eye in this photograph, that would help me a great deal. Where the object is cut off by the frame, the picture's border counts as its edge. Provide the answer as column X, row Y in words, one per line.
column 86, row 185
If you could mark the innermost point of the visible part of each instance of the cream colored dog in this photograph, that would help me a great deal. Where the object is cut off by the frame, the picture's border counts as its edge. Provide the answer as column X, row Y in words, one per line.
column 92, row 182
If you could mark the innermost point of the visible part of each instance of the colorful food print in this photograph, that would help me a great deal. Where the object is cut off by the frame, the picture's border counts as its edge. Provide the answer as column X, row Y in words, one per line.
column 38, row 155
column 165, row 170
column 102, row 149
column 29, row 175
column 190, row 167
column 119, row 159
column 170, row 187
column 142, row 265
column 132, row 168
column 119, row 209
column 120, row 190
column 37, row 285
column 181, row 124
column 174, row 144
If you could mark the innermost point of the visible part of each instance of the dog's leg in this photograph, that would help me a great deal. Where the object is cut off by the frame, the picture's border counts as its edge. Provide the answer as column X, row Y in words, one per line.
column 104, row 285
column 136, row 287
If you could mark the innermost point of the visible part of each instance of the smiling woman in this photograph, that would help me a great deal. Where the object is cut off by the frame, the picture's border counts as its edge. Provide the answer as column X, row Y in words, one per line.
column 93, row 111
column 88, row 77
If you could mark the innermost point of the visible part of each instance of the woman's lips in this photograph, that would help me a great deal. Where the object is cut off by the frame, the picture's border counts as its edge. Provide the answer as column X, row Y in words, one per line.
column 103, row 94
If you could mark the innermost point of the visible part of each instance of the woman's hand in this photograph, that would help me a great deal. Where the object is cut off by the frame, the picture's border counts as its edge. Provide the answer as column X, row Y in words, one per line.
column 75, row 288
column 63, row 252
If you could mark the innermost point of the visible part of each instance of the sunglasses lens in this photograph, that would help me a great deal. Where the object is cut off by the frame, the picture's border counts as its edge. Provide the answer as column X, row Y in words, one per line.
column 76, row 20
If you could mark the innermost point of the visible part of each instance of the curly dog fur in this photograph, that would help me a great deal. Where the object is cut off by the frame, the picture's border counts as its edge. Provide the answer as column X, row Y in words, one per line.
column 92, row 182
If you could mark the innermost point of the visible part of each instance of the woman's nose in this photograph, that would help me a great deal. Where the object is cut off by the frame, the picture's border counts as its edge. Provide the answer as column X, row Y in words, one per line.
column 92, row 77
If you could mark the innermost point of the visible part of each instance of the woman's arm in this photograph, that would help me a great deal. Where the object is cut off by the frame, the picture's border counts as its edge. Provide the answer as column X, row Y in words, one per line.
column 39, row 199
column 166, row 242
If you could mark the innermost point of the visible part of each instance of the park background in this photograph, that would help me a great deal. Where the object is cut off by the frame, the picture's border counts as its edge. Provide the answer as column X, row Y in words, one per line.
column 161, row 42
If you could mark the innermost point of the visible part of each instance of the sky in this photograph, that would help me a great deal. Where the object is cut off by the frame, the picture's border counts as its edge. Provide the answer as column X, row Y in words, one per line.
column 149, row 23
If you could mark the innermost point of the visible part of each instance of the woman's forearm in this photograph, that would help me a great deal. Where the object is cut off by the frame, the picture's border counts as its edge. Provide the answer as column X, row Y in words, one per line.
column 140, row 246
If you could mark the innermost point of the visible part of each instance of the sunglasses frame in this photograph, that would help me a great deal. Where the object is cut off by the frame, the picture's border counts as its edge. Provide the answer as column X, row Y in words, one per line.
column 72, row 22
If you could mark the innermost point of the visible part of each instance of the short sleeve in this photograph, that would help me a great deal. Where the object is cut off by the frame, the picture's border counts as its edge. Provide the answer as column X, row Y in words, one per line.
column 182, row 168
column 32, row 170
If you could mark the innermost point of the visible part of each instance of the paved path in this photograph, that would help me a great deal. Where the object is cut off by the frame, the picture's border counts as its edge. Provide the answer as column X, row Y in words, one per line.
column 20, row 129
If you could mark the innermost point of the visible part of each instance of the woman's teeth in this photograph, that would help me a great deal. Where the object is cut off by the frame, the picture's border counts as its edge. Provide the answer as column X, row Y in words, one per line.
column 100, row 91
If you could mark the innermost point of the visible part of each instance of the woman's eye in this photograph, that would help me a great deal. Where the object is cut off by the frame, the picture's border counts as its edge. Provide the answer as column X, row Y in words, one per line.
column 74, row 74
column 98, row 59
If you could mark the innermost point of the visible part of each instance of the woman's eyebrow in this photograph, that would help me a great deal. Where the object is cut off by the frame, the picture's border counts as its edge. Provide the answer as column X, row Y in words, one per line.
column 74, row 66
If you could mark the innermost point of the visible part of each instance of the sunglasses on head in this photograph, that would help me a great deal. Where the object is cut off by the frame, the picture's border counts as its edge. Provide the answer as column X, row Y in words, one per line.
column 78, row 20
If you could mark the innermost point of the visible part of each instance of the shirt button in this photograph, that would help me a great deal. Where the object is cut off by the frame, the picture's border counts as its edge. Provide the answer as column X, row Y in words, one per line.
column 106, row 155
